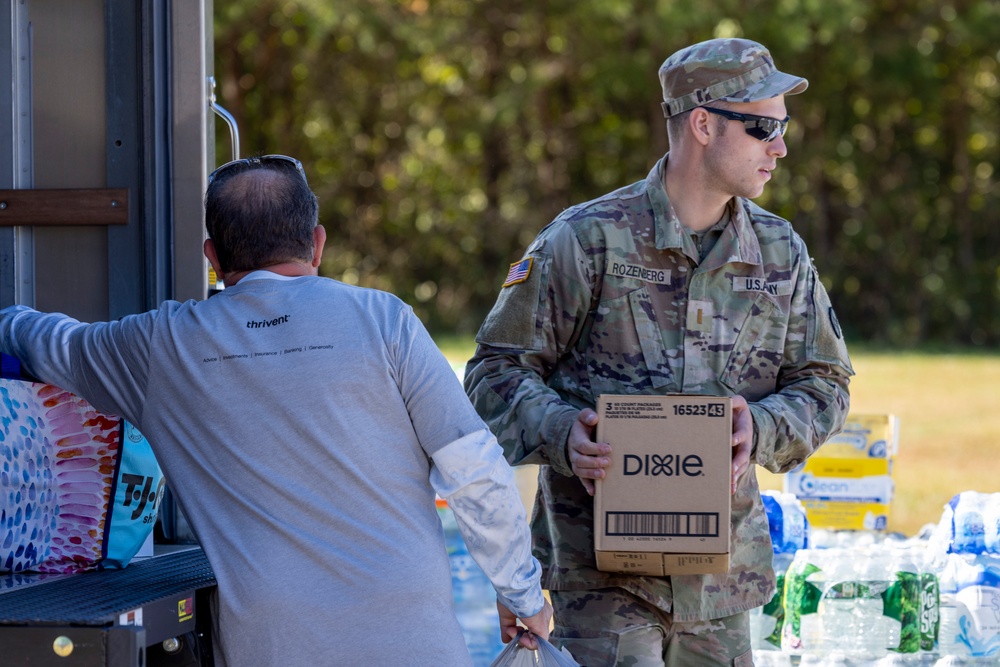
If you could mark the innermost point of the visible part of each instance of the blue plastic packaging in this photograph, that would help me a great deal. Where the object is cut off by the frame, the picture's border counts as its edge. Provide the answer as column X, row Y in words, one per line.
column 473, row 594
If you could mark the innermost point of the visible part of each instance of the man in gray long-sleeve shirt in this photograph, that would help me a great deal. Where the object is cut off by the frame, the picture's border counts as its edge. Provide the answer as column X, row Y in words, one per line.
column 305, row 426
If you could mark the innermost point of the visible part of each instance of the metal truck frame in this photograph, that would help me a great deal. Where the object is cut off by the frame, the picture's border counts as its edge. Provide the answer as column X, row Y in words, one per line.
column 107, row 116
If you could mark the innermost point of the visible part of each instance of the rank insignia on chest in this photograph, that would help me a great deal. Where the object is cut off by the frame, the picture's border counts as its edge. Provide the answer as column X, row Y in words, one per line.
column 518, row 273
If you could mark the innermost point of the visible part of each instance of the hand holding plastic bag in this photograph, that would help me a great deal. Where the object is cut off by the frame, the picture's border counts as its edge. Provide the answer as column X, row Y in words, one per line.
column 536, row 625
column 515, row 655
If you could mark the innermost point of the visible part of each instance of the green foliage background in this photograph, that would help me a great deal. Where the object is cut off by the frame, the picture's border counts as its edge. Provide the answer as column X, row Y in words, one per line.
column 441, row 135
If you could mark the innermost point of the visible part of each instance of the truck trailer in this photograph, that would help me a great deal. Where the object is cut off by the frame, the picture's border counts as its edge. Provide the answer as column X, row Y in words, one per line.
column 106, row 141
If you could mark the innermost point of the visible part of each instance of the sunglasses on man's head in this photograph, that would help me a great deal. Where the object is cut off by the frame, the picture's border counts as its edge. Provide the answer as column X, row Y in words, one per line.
column 263, row 160
column 765, row 128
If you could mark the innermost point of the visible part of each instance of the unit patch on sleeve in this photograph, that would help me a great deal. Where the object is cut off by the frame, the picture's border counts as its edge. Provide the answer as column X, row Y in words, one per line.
column 519, row 272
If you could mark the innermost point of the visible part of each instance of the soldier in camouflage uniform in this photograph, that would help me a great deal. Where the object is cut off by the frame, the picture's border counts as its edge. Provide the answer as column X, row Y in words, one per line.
column 675, row 284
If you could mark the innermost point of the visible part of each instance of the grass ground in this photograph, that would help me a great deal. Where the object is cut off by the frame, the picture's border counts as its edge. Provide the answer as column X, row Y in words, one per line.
column 949, row 420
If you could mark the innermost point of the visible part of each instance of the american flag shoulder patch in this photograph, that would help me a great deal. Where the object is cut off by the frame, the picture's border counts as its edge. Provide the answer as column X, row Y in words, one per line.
column 518, row 272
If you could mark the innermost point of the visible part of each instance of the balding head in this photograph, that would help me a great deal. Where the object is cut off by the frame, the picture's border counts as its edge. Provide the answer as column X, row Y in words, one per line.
column 260, row 213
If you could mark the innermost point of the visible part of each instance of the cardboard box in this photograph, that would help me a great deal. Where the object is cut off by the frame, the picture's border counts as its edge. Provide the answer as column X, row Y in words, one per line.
column 848, row 483
column 664, row 506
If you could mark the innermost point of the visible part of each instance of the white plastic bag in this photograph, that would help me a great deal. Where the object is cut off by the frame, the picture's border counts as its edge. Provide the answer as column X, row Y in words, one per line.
column 515, row 655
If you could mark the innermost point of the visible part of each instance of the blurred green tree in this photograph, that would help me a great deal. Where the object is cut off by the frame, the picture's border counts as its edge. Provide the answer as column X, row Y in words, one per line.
column 441, row 135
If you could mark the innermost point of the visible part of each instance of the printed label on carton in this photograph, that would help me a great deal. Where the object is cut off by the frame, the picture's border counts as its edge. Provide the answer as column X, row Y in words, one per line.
column 834, row 515
column 667, row 489
column 874, row 489
column 847, row 484
column 864, row 436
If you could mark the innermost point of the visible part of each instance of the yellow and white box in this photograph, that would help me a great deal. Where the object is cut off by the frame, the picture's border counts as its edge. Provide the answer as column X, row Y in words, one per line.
column 847, row 484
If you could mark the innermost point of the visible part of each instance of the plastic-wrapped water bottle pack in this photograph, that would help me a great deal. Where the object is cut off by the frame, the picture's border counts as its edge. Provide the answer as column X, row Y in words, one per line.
column 870, row 600
column 970, row 524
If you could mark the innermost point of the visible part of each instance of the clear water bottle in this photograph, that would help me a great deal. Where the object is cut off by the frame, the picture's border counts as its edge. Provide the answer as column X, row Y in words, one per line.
column 775, row 517
column 836, row 659
column 991, row 524
column 839, row 597
column 757, row 631
column 796, row 524
column 968, row 525
column 901, row 604
column 759, row 625
column 873, row 580
column 977, row 604
column 772, row 659
column 788, row 527
column 950, row 611
column 802, row 632
column 766, row 622
column 970, row 608
column 892, row 660
column 787, row 522
column 957, row 661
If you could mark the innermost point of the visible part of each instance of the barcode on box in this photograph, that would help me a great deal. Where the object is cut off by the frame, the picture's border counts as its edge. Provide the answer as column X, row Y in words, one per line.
column 661, row 524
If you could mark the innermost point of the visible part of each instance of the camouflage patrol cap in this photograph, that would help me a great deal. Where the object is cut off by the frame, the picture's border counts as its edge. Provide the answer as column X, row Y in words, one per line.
column 734, row 70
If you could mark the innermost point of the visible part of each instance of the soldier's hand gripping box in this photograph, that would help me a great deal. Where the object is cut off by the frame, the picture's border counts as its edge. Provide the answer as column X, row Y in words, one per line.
column 664, row 505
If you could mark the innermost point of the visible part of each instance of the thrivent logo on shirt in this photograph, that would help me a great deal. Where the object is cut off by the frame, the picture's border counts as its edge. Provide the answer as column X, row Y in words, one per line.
column 261, row 324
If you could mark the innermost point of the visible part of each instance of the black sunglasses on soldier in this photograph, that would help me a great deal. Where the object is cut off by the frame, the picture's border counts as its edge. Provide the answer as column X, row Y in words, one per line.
column 764, row 128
